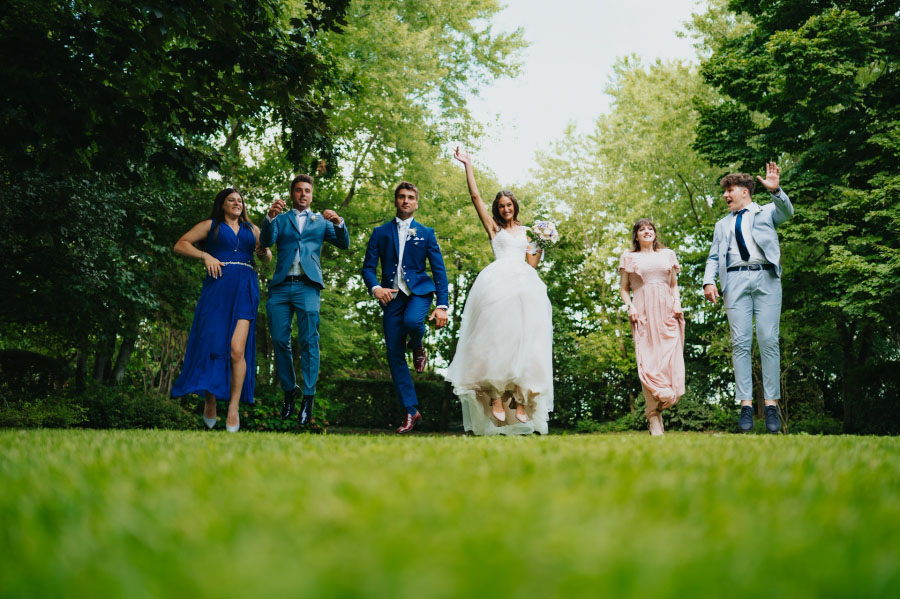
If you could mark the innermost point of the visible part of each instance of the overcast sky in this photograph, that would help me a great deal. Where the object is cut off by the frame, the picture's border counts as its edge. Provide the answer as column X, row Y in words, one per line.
column 569, row 62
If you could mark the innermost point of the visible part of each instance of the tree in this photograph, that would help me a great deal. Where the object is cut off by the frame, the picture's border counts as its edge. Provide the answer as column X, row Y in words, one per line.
column 113, row 114
column 637, row 162
column 817, row 87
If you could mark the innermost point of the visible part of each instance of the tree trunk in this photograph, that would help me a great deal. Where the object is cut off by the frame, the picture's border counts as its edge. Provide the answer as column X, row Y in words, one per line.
column 847, row 332
column 125, row 350
column 105, row 347
column 81, row 366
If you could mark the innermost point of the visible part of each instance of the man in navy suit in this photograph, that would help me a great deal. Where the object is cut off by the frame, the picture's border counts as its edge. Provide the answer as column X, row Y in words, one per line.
column 296, row 287
column 405, row 291
column 747, row 259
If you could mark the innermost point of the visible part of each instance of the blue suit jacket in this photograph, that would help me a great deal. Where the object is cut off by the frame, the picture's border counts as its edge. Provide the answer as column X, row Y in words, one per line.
column 283, row 232
column 384, row 245
column 765, row 219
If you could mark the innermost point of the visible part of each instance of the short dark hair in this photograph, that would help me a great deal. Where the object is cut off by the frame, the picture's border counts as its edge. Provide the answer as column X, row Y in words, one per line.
column 304, row 179
column 495, row 207
column 406, row 185
column 739, row 180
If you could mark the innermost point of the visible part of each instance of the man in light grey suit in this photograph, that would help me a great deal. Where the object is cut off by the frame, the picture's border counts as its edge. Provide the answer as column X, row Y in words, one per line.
column 747, row 258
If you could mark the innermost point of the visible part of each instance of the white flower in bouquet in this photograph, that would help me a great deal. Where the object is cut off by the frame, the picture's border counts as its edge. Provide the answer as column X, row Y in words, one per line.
column 544, row 233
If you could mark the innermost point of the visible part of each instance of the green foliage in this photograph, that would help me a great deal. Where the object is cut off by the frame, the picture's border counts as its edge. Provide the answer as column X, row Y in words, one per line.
column 99, row 513
column 695, row 414
column 373, row 404
column 26, row 374
column 818, row 424
column 42, row 412
column 125, row 407
column 815, row 86
column 112, row 85
column 638, row 162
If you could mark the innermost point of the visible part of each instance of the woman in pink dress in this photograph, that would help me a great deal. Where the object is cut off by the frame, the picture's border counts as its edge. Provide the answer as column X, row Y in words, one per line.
column 649, row 272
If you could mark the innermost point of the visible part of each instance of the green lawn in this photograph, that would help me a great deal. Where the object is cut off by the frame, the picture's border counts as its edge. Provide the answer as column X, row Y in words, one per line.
column 153, row 513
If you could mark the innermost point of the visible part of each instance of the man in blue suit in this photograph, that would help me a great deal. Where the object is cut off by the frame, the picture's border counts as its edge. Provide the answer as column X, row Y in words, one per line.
column 405, row 291
column 297, row 285
column 747, row 259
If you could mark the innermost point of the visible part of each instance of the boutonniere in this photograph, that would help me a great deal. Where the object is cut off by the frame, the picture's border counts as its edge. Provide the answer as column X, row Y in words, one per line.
column 411, row 233
column 313, row 217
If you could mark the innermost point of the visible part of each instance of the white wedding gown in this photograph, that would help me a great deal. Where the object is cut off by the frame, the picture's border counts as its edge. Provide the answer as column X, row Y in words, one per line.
column 505, row 344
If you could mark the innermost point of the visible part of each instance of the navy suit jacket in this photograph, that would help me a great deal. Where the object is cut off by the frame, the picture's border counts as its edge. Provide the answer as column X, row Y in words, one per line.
column 284, row 233
column 421, row 246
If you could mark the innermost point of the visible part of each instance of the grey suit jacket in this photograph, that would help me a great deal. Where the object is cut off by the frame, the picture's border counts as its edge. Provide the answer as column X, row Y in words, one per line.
column 765, row 219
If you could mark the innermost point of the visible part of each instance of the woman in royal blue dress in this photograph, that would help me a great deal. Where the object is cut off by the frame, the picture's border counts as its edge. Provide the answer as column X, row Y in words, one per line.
column 220, row 358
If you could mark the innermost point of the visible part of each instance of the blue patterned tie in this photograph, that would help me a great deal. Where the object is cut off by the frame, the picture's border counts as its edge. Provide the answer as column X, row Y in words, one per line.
column 739, row 235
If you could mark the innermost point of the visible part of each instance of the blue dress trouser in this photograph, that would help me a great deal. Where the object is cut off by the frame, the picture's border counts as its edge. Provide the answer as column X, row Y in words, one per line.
column 748, row 295
column 286, row 300
column 404, row 328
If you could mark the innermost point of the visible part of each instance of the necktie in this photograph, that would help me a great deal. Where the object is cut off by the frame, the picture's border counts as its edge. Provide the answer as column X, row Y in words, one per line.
column 402, row 231
column 739, row 236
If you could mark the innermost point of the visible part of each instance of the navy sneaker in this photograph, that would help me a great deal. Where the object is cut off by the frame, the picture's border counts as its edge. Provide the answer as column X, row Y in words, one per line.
column 773, row 422
column 745, row 422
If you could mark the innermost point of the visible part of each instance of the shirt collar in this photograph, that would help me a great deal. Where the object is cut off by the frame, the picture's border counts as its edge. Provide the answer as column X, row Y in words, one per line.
column 752, row 207
column 299, row 212
column 403, row 223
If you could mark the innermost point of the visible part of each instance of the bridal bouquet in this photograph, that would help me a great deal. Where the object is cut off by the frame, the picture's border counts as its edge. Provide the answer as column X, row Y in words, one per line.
column 544, row 233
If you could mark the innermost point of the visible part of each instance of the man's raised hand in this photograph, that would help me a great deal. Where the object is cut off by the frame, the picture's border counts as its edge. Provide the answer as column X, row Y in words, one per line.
column 332, row 216
column 773, row 177
column 276, row 208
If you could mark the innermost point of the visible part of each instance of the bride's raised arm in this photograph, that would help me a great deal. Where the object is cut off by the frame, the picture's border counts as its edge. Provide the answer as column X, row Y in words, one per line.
column 483, row 213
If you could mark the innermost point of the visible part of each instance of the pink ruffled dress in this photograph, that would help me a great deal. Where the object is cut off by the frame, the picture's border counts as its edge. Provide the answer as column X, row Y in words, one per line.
column 659, row 331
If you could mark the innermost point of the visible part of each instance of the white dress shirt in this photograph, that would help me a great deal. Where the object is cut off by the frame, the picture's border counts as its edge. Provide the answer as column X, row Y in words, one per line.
column 734, row 255
column 402, row 234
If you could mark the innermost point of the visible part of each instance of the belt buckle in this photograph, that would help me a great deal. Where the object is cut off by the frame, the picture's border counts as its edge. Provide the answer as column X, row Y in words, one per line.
column 754, row 267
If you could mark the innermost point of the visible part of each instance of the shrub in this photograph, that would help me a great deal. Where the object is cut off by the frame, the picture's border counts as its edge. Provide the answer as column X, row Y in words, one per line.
column 50, row 412
column 372, row 403
column 127, row 407
column 818, row 425
column 26, row 374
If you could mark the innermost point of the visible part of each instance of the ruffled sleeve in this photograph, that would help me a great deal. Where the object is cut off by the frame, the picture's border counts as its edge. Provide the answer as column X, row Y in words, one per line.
column 628, row 264
column 673, row 261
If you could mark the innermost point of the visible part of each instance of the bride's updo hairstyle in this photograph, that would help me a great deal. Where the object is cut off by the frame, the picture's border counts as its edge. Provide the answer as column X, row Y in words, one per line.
column 635, row 245
column 495, row 208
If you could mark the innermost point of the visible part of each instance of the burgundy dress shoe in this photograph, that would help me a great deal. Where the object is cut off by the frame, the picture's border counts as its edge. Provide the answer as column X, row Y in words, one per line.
column 410, row 423
column 420, row 358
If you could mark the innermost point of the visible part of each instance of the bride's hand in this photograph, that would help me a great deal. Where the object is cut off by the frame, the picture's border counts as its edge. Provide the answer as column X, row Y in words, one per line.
column 463, row 156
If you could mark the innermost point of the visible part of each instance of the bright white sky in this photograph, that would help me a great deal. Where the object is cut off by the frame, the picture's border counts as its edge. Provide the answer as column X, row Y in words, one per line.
column 574, row 44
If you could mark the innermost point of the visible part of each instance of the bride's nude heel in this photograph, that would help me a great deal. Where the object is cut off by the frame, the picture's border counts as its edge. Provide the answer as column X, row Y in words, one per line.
column 521, row 416
column 501, row 415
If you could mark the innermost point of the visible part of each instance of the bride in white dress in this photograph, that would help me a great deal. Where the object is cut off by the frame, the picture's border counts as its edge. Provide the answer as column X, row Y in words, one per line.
column 503, row 368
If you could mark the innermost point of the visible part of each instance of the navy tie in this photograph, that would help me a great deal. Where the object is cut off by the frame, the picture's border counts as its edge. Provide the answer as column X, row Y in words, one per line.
column 739, row 235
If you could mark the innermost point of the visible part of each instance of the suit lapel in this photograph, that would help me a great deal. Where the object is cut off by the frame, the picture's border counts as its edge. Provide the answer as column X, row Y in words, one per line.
column 393, row 227
column 756, row 210
column 292, row 216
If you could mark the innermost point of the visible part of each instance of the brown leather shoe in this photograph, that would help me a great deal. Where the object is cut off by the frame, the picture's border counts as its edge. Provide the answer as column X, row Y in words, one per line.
column 420, row 358
column 410, row 423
